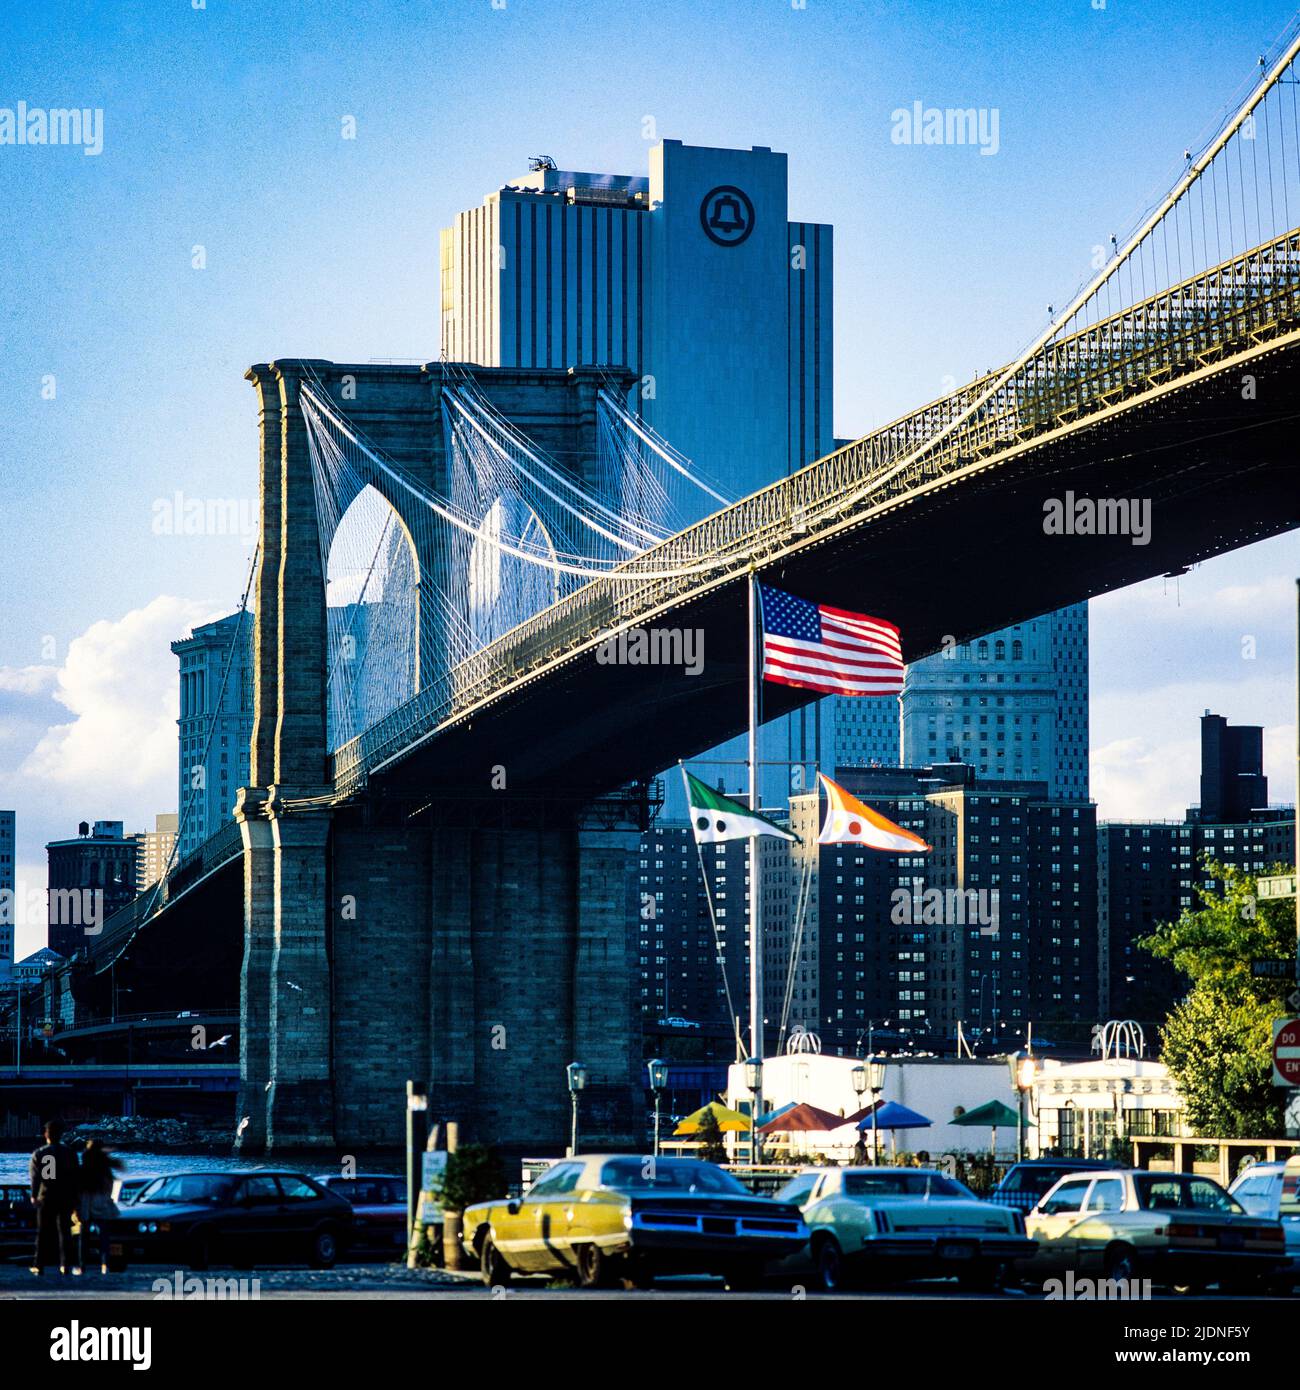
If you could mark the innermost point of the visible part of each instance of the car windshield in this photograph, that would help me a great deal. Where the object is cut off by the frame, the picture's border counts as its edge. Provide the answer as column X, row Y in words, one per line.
column 189, row 1187
column 669, row 1175
column 1159, row 1192
column 903, row 1184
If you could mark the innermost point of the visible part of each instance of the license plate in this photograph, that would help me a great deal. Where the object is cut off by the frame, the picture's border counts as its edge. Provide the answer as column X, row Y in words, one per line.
column 953, row 1251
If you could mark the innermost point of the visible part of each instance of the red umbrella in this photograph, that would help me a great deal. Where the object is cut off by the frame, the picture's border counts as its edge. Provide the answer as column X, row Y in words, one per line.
column 802, row 1119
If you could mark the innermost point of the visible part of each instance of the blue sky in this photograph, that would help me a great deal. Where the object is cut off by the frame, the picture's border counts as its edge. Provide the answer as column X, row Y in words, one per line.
column 222, row 130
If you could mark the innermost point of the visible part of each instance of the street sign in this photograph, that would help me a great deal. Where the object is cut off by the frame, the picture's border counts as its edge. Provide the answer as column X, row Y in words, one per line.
column 1275, row 886
column 1273, row 969
column 1293, row 1000
column 1286, row 1052
column 433, row 1164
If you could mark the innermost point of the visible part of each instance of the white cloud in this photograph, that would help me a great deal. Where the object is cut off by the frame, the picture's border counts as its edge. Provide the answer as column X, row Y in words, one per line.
column 28, row 680
column 119, row 684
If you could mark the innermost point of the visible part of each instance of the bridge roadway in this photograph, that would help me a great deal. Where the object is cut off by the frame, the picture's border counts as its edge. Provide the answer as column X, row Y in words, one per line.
column 956, row 556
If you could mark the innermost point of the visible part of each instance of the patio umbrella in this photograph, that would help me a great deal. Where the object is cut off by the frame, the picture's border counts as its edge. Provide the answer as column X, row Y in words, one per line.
column 891, row 1116
column 994, row 1113
column 727, row 1119
column 801, row 1119
column 772, row 1114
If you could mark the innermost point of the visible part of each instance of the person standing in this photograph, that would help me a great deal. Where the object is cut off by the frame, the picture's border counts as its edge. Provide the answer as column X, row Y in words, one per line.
column 97, row 1205
column 56, row 1188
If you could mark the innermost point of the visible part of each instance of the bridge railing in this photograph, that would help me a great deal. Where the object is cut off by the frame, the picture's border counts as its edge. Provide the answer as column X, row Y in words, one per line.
column 1240, row 303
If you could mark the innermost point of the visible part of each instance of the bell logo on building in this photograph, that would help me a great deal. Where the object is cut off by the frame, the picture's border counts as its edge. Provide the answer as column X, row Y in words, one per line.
column 727, row 215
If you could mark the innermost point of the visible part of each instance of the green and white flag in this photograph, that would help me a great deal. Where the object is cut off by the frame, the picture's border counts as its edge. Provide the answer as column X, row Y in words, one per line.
column 715, row 817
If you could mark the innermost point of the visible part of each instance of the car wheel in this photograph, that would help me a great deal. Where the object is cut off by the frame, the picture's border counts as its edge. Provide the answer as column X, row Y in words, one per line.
column 200, row 1251
column 492, row 1265
column 324, row 1248
column 593, row 1266
column 1120, row 1263
column 828, row 1264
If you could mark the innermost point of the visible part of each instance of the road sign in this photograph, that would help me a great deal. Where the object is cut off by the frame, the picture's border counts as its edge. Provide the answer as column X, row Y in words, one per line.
column 1293, row 1000
column 1273, row 969
column 1286, row 1052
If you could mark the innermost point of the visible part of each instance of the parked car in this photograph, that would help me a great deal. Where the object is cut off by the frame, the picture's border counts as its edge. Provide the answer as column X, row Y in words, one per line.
column 17, row 1221
column 1272, row 1189
column 675, row 1021
column 625, row 1217
column 378, row 1203
column 1177, row 1229
column 876, row 1225
column 1026, row 1183
column 198, row 1219
column 126, row 1190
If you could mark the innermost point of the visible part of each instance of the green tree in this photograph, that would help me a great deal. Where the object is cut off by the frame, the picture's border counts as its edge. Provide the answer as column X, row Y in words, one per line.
column 474, row 1173
column 1216, row 1040
column 709, row 1135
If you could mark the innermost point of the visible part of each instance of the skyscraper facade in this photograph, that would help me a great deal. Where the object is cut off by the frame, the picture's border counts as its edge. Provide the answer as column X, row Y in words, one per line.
column 8, row 887
column 215, row 725
column 994, row 928
column 1012, row 704
column 154, row 850
column 692, row 278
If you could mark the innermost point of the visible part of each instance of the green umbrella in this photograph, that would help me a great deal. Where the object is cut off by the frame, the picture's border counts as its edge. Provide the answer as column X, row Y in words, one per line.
column 994, row 1113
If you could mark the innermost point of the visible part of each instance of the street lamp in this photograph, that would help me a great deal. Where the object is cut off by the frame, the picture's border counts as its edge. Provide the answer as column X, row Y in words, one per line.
column 577, row 1082
column 754, row 1084
column 658, row 1081
column 875, row 1084
column 1023, row 1070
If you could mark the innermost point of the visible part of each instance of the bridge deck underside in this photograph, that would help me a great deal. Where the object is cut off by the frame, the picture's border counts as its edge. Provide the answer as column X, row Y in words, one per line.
column 956, row 560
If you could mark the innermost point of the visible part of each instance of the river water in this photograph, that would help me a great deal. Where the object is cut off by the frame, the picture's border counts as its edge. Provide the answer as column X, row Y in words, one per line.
column 138, row 1164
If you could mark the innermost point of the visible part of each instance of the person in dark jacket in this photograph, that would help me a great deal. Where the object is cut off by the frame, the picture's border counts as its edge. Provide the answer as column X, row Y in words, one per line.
column 56, row 1189
column 98, row 1168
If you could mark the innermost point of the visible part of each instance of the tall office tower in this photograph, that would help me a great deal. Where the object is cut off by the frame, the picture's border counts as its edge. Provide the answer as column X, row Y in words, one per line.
column 215, row 724
column 1232, row 769
column 695, row 281
column 89, row 878
column 1148, row 871
column 8, row 888
column 918, row 943
column 1012, row 704
column 154, row 849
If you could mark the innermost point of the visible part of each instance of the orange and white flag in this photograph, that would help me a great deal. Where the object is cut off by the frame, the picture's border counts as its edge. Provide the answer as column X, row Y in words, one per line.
column 849, row 822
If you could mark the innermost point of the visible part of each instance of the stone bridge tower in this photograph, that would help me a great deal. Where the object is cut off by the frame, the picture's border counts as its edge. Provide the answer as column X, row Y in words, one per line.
column 478, row 939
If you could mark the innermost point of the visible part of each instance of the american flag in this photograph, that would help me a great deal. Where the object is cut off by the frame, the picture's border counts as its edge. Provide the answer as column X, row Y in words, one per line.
column 828, row 649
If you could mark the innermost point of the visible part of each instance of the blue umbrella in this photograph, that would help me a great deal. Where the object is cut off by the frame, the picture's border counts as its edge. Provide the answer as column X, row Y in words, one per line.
column 889, row 1114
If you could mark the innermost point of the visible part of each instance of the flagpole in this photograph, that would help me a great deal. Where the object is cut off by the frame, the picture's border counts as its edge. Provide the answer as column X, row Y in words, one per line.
column 755, row 876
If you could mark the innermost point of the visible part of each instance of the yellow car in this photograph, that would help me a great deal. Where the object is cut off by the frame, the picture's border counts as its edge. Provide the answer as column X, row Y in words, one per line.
column 627, row 1217
column 1179, row 1229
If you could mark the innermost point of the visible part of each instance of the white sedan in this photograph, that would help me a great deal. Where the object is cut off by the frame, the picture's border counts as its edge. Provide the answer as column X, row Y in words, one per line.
column 877, row 1225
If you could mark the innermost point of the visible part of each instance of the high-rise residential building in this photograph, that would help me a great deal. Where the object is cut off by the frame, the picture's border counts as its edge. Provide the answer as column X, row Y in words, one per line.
column 993, row 929
column 696, row 966
column 89, row 878
column 8, row 889
column 1148, row 871
column 693, row 279
column 215, row 724
column 154, row 849
column 1012, row 704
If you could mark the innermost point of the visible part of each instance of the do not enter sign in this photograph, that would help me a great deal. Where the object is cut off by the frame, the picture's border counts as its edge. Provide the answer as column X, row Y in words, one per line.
column 1286, row 1052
